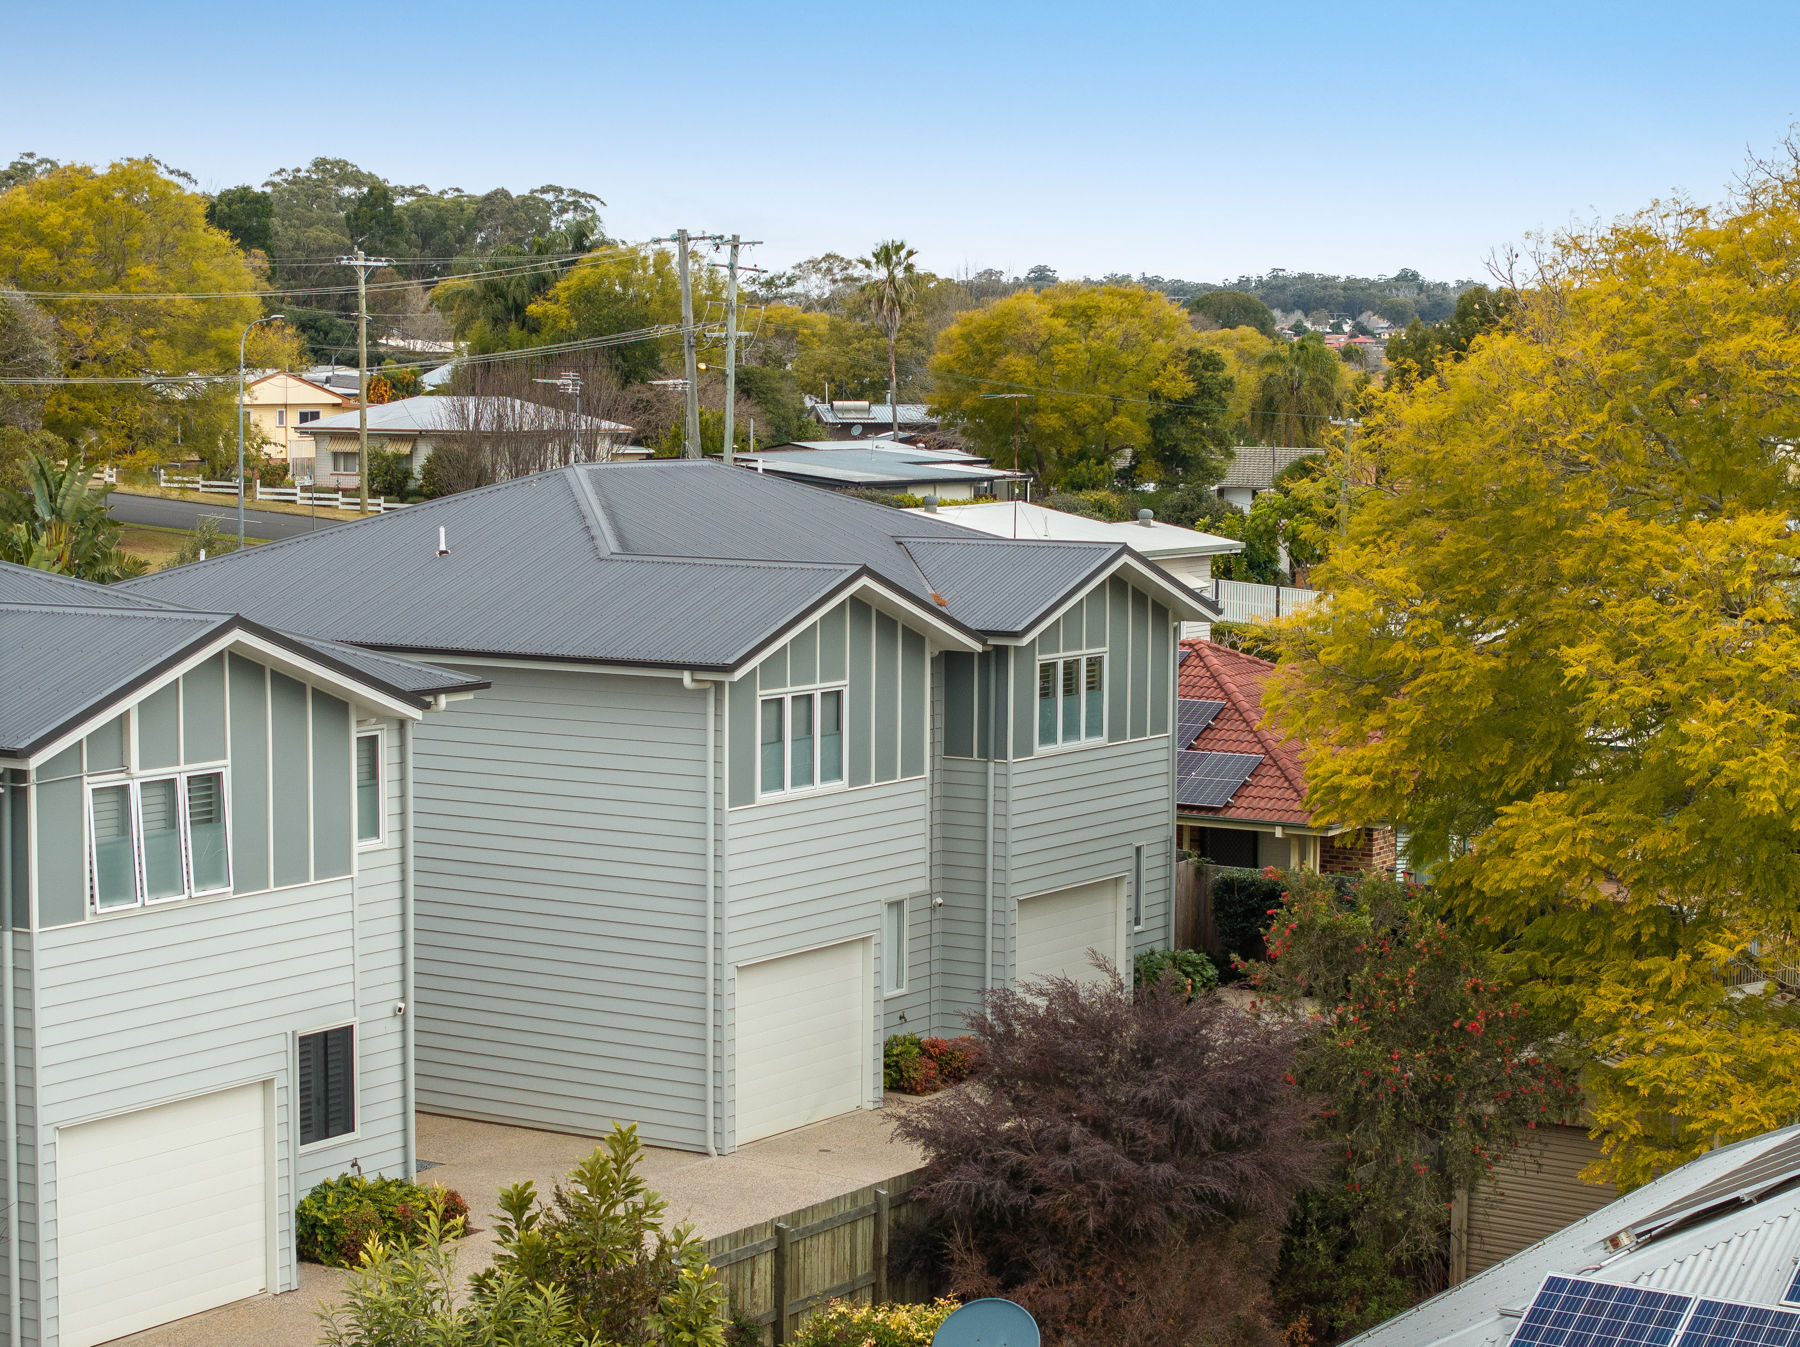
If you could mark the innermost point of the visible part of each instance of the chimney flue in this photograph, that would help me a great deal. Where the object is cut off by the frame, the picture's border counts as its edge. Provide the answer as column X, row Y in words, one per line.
column 1145, row 516
column 443, row 548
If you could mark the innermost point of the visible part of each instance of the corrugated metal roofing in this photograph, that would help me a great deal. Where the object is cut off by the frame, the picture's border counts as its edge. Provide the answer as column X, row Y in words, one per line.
column 1739, row 1252
column 871, row 467
column 68, row 647
column 1026, row 519
column 441, row 412
column 878, row 413
column 672, row 562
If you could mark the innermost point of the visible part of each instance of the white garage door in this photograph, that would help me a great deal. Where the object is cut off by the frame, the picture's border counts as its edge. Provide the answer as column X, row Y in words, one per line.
column 1056, row 931
column 803, row 1026
column 161, row 1214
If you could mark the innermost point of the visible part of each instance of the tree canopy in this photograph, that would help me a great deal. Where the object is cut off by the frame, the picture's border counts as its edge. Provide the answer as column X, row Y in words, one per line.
column 1234, row 308
column 1559, row 654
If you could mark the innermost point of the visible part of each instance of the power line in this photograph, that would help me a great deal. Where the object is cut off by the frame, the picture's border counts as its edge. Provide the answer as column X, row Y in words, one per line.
column 1114, row 397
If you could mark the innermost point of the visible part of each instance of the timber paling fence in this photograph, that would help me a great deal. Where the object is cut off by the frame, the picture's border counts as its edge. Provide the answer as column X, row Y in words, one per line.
column 777, row 1272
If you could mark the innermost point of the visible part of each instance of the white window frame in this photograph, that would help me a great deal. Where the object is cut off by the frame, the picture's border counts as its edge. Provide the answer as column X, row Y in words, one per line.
column 1084, row 738
column 281, row 418
column 380, row 838
column 134, row 786
column 893, row 977
column 356, row 1113
column 787, row 697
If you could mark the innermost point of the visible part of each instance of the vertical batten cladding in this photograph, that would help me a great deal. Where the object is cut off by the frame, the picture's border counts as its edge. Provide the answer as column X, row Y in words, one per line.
column 560, row 904
column 144, row 1006
column 1063, row 815
column 818, row 867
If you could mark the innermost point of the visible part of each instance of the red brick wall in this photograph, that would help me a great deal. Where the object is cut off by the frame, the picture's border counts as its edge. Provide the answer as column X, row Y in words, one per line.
column 1353, row 852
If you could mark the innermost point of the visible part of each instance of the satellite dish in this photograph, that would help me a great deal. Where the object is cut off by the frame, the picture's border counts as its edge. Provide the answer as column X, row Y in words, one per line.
column 988, row 1323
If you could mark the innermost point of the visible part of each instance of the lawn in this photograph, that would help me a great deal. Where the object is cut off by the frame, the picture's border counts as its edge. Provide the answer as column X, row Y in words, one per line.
column 155, row 545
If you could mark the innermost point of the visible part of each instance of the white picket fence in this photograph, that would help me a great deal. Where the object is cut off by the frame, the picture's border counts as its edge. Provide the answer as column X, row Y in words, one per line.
column 337, row 500
column 204, row 485
column 108, row 475
column 1244, row 601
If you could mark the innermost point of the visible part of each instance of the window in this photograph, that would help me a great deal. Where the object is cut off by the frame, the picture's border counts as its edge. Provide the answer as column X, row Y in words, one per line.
column 343, row 462
column 307, row 418
column 281, row 416
column 327, row 1085
column 800, row 741
column 895, row 954
column 1071, row 700
column 1137, row 888
column 368, row 787
column 157, row 840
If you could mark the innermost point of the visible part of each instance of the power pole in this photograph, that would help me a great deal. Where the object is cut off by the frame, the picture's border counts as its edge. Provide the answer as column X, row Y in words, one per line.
column 363, row 266
column 691, row 442
column 731, row 349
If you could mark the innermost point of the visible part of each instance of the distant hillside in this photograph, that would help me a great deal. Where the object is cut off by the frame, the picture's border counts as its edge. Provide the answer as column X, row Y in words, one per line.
column 1398, row 298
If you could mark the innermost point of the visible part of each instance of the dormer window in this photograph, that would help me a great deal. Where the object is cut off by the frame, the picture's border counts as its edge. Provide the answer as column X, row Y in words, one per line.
column 801, row 741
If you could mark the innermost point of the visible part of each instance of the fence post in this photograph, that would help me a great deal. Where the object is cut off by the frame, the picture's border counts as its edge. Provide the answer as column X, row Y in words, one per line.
column 882, row 1211
column 779, row 1276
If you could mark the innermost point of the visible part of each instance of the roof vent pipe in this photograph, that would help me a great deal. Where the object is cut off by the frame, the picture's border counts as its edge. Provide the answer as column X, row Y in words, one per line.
column 443, row 548
column 931, row 504
column 1145, row 516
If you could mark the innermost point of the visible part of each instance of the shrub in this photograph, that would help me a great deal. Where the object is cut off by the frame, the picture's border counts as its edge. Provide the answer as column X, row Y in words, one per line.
column 904, row 1066
column 209, row 536
column 1197, row 972
column 844, row 1324
column 955, row 1059
column 337, row 1219
column 1242, row 901
column 1249, row 638
column 1120, row 1160
column 390, row 473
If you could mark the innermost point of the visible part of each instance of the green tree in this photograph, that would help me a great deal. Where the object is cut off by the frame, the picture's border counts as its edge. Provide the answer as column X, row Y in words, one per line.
column 1558, row 651
column 890, row 292
column 25, row 168
column 56, row 522
column 1091, row 355
column 1190, row 437
column 29, row 349
column 1234, row 308
column 1420, row 351
column 246, row 214
column 1298, row 391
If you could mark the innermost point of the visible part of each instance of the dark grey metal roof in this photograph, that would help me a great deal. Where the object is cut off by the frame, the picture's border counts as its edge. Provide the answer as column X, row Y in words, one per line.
column 1209, row 780
column 1748, row 1182
column 69, row 648
column 669, row 562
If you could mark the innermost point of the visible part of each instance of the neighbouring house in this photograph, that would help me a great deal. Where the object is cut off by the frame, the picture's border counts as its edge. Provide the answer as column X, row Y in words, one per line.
column 1536, row 1191
column 1252, row 471
column 1241, row 787
column 204, row 828
column 887, row 465
column 1185, row 554
column 846, row 419
column 1704, row 1256
column 283, row 406
column 531, row 435
column 765, row 773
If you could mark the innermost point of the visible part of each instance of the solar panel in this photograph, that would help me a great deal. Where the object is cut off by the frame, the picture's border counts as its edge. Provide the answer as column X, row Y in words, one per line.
column 1209, row 780
column 1750, row 1181
column 1793, row 1292
column 1571, row 1313
column 1718, row 1323
column 1193, row 716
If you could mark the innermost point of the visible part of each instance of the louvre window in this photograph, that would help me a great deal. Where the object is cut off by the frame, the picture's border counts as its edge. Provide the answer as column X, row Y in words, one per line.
column 206, row 832
column 327, row 1085
column 1071, row 700
column 801, row 741
column 368, row 788
column 156, row 840
column 115, row 848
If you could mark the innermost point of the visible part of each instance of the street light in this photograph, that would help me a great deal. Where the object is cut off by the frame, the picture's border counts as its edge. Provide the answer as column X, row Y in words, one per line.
column 240, row 420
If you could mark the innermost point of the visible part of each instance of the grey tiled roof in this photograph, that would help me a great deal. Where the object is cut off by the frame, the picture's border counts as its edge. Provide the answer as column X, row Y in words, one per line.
column 1255, row 465
column 69, row 648
column 669, row 562
column 879, row 414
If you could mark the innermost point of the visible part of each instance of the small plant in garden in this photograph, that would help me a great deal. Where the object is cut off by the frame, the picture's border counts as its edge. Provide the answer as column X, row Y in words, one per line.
column 845, row 1324
column 914, row 1065
column 1197, row 972
column 340, row 1216
column 955, row 1059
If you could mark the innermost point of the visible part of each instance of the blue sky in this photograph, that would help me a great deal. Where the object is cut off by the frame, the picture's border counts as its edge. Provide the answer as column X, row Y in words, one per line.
column 1194, row 140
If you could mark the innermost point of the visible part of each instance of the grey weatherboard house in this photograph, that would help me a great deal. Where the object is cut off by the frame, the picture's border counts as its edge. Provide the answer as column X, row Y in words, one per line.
column 203, row 834
column 764, row 774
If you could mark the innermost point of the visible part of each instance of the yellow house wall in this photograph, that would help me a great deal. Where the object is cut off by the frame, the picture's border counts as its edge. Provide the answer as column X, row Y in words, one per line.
column 289, row 396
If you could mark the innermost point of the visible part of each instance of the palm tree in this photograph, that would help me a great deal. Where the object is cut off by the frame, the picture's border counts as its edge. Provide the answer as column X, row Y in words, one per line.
column 890, row 292
column 1297, row 392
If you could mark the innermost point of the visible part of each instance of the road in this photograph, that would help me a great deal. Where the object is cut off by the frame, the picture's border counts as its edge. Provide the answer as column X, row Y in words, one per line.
column 185, row 514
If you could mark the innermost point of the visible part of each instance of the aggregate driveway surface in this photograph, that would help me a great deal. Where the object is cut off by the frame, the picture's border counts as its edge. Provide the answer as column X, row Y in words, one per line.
column 758, row 1182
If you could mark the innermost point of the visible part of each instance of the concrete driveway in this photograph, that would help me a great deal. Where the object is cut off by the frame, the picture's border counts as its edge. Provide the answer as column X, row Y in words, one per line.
column 716, row 1195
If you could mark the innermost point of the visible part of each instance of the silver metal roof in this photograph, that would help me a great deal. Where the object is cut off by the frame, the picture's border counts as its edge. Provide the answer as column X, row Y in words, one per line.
column 1742, row 1251
column 444, row 413
column 672, row 562
column 873, row 466
column 69, row 648
column 845, row 413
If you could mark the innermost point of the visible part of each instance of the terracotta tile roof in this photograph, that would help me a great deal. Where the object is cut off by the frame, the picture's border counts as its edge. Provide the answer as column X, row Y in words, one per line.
column 1276, row 790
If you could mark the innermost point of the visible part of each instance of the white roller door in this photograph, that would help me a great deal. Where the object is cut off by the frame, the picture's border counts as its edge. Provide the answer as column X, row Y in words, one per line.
column 803, row 1027
column 1056, row 931
column 161, row 1214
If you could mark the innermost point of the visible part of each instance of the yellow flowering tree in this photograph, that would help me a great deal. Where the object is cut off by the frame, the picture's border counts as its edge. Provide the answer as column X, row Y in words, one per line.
column 1560, row 650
